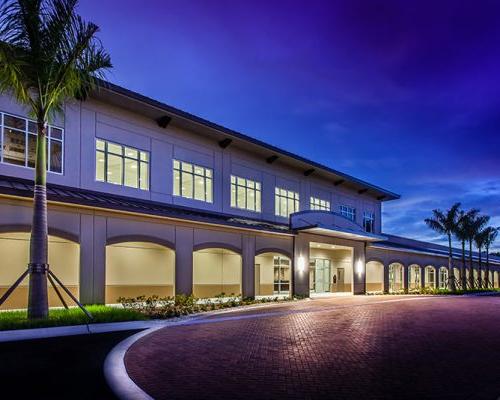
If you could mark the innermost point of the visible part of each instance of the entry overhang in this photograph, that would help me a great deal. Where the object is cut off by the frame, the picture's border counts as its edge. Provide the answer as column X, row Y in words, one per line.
column 329, row 223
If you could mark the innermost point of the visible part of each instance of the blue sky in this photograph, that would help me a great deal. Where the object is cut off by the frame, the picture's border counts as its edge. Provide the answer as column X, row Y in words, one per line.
column 403, row 94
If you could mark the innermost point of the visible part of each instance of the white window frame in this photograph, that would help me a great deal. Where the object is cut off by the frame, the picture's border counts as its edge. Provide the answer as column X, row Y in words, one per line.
column 249, row 187
column 291, row 197
column 27, row 132
column 139, row 159
column 369, row 216
column 319, row 204
column 207, row 175
column 348, row 212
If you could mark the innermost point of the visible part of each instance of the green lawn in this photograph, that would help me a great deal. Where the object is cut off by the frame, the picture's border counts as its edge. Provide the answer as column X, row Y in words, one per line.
column 74, row 316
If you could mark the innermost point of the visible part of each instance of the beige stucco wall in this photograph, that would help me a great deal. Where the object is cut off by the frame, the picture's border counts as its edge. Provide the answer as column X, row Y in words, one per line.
column 138, row 268
column 63, row 261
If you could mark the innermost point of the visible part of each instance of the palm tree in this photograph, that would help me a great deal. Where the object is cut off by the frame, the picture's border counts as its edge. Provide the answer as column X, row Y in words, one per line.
column 491, row 234
column 48, row 55
column 461, row 233
column 479, row 240
column 474, row 225
column 446, row 223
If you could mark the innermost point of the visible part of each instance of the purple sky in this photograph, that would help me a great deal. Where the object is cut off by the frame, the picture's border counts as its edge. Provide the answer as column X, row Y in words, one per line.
column 404, row 94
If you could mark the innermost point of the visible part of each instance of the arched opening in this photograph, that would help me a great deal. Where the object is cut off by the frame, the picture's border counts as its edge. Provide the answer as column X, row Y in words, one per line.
column 396, row 277
column 273, row 274
column 216, row 271
column 443, row 277
column 430, row 277
column 414, row 279
column 490, row 279
column 374, row 276
column 457, row 273
column 139, row 269
column 476, row 277
column 64, row 261
column 495, row 279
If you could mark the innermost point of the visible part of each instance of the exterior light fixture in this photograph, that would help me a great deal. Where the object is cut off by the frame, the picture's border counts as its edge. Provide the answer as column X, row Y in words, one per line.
column 301, row 264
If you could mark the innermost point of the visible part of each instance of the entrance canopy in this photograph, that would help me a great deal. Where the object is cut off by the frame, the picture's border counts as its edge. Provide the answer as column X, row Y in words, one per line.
column 329, row 223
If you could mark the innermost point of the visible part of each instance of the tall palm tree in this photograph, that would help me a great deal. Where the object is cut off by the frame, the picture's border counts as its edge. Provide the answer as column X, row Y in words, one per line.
column 474, row 226
column 461, row 233
column 490, row 237
column 445, row 223
column 48, row 54
column 479, row 240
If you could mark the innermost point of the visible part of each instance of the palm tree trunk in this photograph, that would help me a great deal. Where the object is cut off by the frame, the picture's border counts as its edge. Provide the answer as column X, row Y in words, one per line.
column 38, row 305
column 450, row 266
column 487, row 267
column 471, row 268
column 464, row 274
column 479, row 276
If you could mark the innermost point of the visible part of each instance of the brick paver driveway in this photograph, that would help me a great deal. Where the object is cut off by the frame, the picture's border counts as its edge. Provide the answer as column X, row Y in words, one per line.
column 378, row 347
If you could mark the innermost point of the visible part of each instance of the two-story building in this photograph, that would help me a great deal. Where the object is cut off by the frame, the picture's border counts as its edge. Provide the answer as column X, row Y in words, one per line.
column 147, row 199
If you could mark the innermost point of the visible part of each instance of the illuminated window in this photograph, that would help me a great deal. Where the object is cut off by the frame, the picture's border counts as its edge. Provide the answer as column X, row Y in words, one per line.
column 348, row 212
column 245, row 194
column 286, row 202
column 18, row 139
column 192, row 181
column 369, row 221
column 121, row 165
column 319, row 204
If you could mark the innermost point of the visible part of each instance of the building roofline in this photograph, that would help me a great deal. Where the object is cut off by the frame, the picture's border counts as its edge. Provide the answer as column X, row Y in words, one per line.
column 384, row 195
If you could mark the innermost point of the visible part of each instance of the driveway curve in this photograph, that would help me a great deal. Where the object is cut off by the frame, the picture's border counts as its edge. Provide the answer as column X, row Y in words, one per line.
column 358, row 347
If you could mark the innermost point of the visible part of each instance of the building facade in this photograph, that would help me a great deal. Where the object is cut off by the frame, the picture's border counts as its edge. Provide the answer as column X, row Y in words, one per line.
column 147, row 199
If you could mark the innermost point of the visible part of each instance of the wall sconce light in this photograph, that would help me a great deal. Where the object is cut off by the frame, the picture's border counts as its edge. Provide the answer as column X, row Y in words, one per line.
column 359, row 267
column 301, row 264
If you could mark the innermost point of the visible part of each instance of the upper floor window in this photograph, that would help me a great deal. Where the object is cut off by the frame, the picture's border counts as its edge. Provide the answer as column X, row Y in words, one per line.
column 121, row 165
column 286, row 202
column 245, row 194
column 369, row 221
column 192, row 181
column 348, row 212
column 18, row 139
column 319, row 204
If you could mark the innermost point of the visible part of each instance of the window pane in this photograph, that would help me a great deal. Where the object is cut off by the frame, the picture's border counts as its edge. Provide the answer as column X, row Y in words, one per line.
column 251, row 199
column 131, row 153
column 290, row 206
column 233, row 196
column 14, row 146
column 240, row 197
column 283, row 208
column 131, row 173
column 176, row 164
column 177, row 183
column 114, row 173
column 32, row 127
column 233, row 179
column 257, row 201
column 199, row 171
column 14, row 122
column 99, row 145
column 187, row 167
column 209, row 190
column 55, row 156
column 144, row 178
column 208, row 172
column 31, row 150
column 144, row 156
column 187, row 185
column 199, row 188
column 99, row 168
column 56, row 133
column 114, row 148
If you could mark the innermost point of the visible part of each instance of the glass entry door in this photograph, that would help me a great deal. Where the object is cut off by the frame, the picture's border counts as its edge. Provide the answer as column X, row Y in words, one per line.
column 320, row 275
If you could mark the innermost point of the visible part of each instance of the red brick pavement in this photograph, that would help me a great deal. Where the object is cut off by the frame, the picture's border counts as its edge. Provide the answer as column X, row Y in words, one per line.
column 342, row 348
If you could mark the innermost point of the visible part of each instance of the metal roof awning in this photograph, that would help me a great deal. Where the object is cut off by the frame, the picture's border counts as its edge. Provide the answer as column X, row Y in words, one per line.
column 320, row 229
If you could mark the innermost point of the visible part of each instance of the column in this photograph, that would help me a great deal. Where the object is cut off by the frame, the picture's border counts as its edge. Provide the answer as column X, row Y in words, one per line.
column 183, row 260
column 405, row 278
column 301, row 266
column 86, row 289
column 248, row 266
column 386, row 279
column 359, row 275
column 100, row 235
